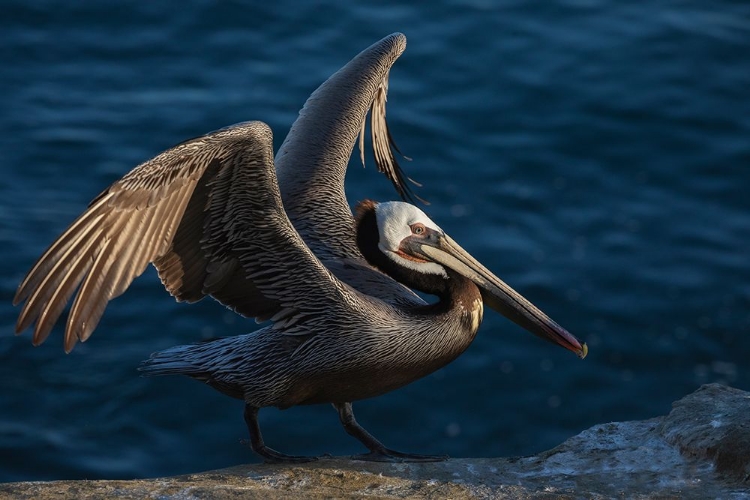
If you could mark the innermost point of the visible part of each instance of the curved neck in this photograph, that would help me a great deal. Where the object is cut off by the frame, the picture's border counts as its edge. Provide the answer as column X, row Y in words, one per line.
column 434, row 334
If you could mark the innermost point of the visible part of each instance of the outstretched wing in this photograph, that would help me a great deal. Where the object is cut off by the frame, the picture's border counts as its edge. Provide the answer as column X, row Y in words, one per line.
column 311, row 163
column 207, row 213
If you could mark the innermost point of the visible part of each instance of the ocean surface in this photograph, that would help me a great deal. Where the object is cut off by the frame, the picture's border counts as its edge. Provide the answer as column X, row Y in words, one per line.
column 594, row 154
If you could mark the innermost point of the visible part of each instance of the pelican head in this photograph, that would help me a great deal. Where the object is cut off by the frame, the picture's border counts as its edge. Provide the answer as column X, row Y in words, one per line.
column 400, row 224
column 411, row 240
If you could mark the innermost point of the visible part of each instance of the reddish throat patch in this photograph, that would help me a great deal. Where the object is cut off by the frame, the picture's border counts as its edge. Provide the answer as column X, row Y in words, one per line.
column 406, row 256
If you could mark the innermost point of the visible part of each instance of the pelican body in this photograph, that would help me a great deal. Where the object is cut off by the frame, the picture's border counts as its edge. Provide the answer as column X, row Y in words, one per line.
column 276, row 240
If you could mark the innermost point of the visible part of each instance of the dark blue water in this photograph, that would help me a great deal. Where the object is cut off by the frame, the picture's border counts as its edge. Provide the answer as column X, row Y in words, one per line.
column 594, row 154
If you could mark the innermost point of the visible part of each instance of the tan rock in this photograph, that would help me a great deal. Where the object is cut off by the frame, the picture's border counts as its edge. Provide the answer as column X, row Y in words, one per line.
column 700, row 450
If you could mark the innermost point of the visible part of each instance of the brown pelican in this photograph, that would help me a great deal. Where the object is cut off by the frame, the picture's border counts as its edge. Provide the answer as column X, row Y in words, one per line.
column 278, row 242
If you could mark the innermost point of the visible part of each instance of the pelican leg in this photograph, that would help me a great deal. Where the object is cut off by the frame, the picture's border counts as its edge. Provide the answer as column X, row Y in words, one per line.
column 256, row 441
column 378, row 452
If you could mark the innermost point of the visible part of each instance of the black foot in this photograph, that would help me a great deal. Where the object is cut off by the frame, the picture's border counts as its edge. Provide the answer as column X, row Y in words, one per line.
column 378, row 452
column 271, row 456
column 387, row 455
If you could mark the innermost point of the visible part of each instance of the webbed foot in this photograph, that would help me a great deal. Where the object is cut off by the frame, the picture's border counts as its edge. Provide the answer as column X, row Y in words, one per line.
column 378, row 452
column 270, row 456
column 386, row 455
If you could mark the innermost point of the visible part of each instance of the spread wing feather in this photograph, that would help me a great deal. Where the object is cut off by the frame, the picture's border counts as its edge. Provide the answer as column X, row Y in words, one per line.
column 207, row 213
column 187, row 211
column 312, row 161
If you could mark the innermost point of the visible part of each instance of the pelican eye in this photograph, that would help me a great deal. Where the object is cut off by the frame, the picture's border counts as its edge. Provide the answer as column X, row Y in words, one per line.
column 418, row 229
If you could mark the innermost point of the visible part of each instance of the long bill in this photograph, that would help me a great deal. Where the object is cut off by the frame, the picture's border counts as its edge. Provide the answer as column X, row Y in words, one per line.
column 501, row 297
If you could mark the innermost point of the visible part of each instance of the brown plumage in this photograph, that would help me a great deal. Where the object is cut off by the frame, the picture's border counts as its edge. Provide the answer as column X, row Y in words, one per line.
column 276, row 241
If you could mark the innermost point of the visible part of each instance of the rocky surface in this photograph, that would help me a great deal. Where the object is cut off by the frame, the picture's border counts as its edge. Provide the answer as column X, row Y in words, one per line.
column 700, row 450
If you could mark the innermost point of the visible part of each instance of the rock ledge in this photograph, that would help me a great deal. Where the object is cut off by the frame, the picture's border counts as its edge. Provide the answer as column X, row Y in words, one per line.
column 700, row 450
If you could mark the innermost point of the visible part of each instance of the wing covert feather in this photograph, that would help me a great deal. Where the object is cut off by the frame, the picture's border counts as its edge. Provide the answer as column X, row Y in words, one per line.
column 208, row 214
column 311, row 164
column 312, row 161
column 195, row 212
